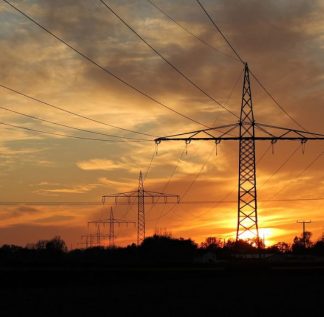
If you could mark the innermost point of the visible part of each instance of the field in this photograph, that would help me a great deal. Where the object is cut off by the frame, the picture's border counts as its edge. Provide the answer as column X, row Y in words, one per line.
column 163, row 291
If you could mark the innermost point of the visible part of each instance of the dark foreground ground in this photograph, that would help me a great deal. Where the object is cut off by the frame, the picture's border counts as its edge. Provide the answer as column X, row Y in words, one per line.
column 240, row 290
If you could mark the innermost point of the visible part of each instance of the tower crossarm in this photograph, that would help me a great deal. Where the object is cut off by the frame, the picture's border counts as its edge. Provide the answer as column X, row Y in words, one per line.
column 166, row 198
column 108, row 221
column 208, row 134
column 127, row 196
column 282, row 133
column 156, row 198
column 267, row 133
column 121, row 221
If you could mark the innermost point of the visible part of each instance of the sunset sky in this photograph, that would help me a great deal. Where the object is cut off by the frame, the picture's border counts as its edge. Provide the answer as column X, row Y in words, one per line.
column 281, row 40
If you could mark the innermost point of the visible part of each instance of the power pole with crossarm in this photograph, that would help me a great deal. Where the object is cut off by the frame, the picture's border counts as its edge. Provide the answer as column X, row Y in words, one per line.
column 304, row 222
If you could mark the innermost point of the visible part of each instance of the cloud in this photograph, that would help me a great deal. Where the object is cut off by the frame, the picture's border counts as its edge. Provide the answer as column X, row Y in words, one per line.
column 19, row 212
column 77, row 189
column 54, row 219
column 99, row 164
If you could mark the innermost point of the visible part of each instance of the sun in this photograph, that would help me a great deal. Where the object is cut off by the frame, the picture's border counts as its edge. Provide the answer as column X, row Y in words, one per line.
column 266, row 235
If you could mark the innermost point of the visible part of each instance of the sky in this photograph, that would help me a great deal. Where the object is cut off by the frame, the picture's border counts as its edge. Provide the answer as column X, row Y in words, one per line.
column 282, row 41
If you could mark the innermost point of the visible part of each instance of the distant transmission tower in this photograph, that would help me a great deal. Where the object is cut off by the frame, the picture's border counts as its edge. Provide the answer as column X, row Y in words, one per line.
column 142, row 197
column 247, row 214
column 111, row 221
column 93, row 239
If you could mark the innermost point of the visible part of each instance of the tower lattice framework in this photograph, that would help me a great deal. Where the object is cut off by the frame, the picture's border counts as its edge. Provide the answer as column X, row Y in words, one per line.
column 247, row 219
column 141, row 211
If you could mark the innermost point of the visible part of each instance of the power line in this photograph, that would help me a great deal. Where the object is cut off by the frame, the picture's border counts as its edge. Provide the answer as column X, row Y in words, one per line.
column 220, row 32
column 223, row 200
column 240, row 58
column 150, row 165
column 207, row 160
column 197, row 174
column 69, row 127
column 65, row 135
column 302, row 172
column 281, row 166
column 71, row 112
column 189, row 202
column 276, row 102
column 186, row 191
column 106, row 70
column 165, row 59
column 168, row 182
column 188, row 31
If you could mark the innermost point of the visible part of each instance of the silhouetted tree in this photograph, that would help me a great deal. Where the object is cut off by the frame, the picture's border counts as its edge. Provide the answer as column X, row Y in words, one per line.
column 240, row 246
column 212, row 243
column 280, row 247
column 167, row 249
column 300, row 244
column 40, row 245
column 56, row 245
column 318, row 247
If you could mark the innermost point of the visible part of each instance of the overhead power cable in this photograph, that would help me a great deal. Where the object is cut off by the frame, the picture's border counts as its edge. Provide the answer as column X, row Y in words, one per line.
column 301, row 172
column 189, row 202
column 68, row 126
column 187, row 190
column 188, row 31
column 220, row 32
column 204, row 164
column 165, row 59
column 105, row 69
column 276, row 102
column 71, row 112
column 281, row 166
column 242, row 61
column 64, row 135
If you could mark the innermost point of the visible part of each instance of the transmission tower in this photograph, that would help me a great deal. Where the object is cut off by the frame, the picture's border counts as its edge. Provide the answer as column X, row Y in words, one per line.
column 93, row 239
column 111, row 221
column 247, row 212
column 142, row 197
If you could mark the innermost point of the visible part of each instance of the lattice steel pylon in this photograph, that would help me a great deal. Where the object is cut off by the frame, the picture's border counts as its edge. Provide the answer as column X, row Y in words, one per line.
column 141, row 196
column 141, row 210
column 111, row 221
column 111, row 233
column 247, row 220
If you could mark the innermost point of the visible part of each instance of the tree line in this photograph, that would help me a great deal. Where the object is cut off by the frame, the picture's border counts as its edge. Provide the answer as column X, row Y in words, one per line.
column 154, row 249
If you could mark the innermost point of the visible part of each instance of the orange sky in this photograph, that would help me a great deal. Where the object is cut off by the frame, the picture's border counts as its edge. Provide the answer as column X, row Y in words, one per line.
column 281, row 40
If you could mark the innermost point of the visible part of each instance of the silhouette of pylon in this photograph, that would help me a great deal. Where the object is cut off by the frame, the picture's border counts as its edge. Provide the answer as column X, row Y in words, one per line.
column 247, row 219
column 142, row 196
